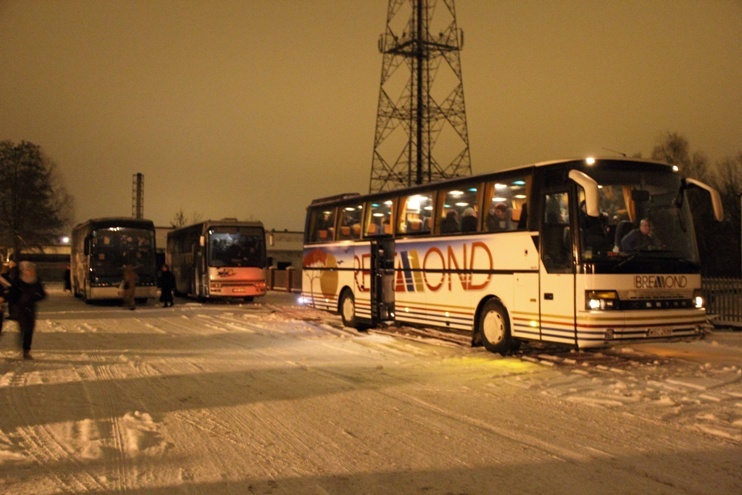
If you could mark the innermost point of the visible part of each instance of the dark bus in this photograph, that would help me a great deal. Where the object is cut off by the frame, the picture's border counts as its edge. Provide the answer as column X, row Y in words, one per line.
column 100, row 249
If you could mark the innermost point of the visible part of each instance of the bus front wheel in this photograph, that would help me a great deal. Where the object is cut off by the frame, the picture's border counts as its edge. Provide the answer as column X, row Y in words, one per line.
column 494, row 328
column 348, row 310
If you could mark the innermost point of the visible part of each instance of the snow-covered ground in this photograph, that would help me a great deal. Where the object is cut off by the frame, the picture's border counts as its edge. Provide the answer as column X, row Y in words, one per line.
column 275, row 398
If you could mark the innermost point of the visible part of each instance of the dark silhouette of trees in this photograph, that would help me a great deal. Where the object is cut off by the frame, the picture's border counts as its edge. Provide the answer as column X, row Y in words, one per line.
column 718, row 242
column 34, row 205
column 181, row 219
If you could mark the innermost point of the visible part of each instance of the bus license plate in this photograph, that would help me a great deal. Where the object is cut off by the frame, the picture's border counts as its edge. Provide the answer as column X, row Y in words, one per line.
column 660, row 332
column 239, row 289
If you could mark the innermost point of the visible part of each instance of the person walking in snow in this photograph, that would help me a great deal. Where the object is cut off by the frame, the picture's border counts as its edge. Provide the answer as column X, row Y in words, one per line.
column 167, row 286
column 129, row 286
column 25, row 291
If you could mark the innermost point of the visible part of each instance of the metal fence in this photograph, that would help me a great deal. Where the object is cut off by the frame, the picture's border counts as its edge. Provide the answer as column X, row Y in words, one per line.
column 723, row 300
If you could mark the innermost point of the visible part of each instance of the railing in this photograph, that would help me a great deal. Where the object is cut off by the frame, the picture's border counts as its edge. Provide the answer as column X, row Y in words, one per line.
column 723, row 300
column 288, row 280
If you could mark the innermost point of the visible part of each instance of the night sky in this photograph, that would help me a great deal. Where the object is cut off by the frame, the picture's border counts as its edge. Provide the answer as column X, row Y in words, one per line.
column 251, row 108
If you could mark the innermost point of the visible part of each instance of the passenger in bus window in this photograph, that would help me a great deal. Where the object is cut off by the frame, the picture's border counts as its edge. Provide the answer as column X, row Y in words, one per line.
column 322, row 227
column 469, row 220
column 498, row 219
column 450, row 223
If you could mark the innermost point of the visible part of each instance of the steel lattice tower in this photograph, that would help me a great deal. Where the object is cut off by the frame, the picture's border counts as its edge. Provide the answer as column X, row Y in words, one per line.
column 137, row 196
column 421, row 136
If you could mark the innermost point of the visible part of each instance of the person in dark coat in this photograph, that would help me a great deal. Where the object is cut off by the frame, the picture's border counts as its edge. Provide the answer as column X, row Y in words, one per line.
column 167, row 286
column 129, row 286
column 25, row 291
column 641, row 238
column 67, row 279
column 450, row 223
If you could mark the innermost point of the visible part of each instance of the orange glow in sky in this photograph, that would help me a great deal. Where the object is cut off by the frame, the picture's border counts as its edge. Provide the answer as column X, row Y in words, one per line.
column 252, row 108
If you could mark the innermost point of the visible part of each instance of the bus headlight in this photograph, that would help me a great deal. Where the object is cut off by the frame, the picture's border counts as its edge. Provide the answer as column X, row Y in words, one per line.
column 698, row 300
column 601, row 300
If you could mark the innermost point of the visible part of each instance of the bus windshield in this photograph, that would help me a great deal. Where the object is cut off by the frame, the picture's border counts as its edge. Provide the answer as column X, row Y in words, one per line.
column 115, row 247
column 236, row 246
column 643, row 217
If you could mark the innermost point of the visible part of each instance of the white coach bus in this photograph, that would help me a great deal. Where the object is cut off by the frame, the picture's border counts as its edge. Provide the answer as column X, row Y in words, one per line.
column 218, row 259
column 585, row 253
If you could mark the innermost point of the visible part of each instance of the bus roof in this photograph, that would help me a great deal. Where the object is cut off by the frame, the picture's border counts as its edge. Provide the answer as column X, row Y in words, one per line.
column 578, row 162
column 105, row 222
column 224, row 221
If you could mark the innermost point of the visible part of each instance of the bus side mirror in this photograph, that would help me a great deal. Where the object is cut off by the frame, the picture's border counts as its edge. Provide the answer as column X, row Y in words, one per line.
column 201, row 241
column 715, row 197
column 592, row 200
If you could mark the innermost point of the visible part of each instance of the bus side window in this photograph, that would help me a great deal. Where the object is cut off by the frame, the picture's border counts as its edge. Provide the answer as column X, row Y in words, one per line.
column 322, row 225
column 505, row 204
column 459, row 209
column 416, row 211
column 350, row 223
column 379, row 221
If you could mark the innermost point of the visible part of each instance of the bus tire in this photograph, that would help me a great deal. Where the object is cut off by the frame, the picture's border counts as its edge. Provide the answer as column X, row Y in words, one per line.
column 348, row 310
column 494, row 328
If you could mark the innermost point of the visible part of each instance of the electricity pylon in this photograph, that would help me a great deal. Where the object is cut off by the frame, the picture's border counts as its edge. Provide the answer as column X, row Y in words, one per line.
column 421, row 134
column 137, row 196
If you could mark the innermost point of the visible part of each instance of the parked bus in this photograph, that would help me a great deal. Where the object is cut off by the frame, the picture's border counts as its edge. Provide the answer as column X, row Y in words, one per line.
column 101, row 247
column 218, row 259
column 536, row 253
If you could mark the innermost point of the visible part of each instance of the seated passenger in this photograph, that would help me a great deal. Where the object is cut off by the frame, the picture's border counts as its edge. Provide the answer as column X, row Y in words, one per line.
column 450, row 223
column 469, row 220
column 497, row 219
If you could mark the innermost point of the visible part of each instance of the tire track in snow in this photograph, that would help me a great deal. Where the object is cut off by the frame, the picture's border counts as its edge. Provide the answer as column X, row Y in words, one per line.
column 40, row 443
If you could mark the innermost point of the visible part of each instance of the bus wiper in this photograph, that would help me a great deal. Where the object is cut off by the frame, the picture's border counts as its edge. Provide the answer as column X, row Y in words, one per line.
column 630, row 257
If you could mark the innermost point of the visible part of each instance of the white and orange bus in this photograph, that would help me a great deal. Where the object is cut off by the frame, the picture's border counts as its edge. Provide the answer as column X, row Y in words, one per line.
column 218, row 259
column 585, row 253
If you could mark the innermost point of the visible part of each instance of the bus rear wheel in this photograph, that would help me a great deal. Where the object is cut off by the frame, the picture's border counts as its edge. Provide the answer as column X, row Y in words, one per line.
column 494, row 328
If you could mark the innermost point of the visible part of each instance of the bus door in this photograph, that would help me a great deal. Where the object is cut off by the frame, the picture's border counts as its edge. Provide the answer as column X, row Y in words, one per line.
column 382, row 280
column 199, row 269
column 556, row 273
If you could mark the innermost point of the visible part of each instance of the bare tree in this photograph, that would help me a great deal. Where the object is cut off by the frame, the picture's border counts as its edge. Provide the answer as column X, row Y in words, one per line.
column 719, row 243
column 181, row 219
column 674, row 148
